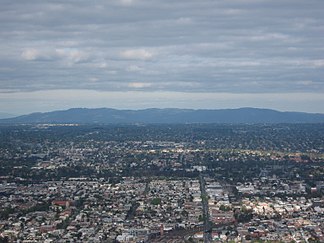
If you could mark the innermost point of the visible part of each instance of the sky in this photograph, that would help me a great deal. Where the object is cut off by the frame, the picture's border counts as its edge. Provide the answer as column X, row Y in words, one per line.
column 135, row 54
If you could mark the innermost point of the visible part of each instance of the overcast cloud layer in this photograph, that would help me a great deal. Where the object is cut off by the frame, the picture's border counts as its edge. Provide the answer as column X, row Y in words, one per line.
column 235, row 47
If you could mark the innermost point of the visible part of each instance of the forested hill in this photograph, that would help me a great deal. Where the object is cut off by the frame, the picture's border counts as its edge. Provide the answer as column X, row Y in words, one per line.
column 147, row 116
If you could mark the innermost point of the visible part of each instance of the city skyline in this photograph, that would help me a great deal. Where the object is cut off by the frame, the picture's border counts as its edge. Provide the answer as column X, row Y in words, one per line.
column 135, row 54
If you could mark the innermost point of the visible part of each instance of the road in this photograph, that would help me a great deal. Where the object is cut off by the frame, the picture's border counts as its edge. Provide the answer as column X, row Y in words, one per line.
column 204, row 196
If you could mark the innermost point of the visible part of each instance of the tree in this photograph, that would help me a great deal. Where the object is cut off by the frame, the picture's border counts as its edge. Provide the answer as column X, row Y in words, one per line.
column 156, row 201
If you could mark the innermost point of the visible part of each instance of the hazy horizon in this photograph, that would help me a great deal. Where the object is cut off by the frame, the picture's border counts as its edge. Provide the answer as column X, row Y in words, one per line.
column 135, row 54
column 114, row 103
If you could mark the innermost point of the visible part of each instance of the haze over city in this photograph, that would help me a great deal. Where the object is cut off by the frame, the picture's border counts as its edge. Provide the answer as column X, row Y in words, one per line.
column 134, row 54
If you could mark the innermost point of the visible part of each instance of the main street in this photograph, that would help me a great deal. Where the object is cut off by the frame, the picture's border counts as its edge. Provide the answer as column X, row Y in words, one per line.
column 204, row 196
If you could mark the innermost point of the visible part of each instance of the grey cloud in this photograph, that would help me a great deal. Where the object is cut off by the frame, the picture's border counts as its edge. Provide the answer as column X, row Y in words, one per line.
column 190, row 46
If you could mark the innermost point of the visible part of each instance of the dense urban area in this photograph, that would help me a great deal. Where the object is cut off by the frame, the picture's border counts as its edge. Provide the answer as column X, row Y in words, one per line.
column 162, row 183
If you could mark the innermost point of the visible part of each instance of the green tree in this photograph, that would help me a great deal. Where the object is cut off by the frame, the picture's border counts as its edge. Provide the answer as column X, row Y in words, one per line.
column 156, row 201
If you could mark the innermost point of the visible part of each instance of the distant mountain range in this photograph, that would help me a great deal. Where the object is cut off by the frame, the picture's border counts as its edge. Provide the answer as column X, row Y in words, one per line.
column 146, row 116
